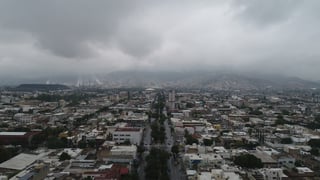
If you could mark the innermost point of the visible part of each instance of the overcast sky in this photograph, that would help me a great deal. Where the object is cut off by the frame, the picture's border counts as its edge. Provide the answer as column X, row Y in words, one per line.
column 74, row 37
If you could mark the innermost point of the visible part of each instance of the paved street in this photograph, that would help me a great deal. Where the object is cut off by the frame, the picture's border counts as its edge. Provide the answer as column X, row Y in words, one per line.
column 146, row 143
column 174, row 169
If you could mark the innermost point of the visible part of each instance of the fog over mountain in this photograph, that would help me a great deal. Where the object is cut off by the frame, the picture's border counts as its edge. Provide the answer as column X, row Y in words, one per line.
column 204, row 79
column 216, row 80
column 63, row 41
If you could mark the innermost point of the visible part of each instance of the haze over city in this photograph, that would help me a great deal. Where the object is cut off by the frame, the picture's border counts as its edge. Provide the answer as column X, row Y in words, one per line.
column 62, row 39
column 159, row 90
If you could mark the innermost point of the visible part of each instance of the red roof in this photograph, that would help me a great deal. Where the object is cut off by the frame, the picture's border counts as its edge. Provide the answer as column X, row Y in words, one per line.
column 197, row 136
column 114, row 173
column 124, row 171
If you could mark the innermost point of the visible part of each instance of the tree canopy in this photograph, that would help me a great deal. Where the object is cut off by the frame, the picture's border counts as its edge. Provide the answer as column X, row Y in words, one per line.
column 248, row 161
column 208, row 142
column 157, row 165
column 64, row 156
column 175, row 149
column 286, row 141
column 314, row 143
column 190, row 139
column 315, row 151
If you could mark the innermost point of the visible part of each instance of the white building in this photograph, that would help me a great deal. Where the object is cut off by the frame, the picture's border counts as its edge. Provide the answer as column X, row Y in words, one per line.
column 134, row 135
column 220, row 174
column 23, row 118
column 122, row 154
column 124, row 151
column 273, row 174
column 203, row 160
column 286, row 161
column 223, row 152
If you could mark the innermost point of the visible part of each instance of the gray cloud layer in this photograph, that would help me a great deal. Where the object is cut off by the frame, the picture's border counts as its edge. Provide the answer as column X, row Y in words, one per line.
column 75, row 37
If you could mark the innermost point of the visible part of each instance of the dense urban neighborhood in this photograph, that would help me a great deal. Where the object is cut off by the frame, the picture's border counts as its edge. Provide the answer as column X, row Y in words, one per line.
column 56, row 132
column 160, row 90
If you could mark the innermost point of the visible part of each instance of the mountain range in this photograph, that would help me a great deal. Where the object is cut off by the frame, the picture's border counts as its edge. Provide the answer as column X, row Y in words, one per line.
column 205, row 80
column 190, row 80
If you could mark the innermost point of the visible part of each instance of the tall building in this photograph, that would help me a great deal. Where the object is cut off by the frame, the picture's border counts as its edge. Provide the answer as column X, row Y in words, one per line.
column 172, row 99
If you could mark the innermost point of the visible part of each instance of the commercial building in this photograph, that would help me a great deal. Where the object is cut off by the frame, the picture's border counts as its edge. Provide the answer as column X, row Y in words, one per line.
column 133, row 135
column 16, row 138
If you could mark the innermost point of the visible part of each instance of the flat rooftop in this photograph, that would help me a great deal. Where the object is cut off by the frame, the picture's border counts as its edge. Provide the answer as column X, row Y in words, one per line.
column 128, row 129
column 12, row 133
column 123, row 148
column 19, row 162
column 265, row 158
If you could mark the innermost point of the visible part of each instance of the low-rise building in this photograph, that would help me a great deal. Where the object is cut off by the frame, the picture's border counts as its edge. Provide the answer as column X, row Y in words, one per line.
column 16, row 138
column 273, row 173
column 131, row 134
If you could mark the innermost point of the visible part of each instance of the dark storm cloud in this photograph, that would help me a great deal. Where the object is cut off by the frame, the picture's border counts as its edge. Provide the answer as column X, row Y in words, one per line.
column 267, row 12
column 81, row 37
column 137, row 42
column 65, row 27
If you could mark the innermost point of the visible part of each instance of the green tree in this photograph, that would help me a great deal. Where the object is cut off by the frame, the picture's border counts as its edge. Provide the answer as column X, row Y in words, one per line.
column 157, row 165
column 315, row 151
column 82, row 144
column 191, row 140
column 4, row 154
column 250, row 145
column 314, row 143
column 21, row 129
column 175, row 149
column 279, row 116
column 255, row 112
column 88, row 178
column 285, row 112
column 248, row 161
column 64, row 156
column 286, row 141
column 93, row 143
column 298, row 163
column 140, row 149
column 53, row 131
column 189, row 105
column 126, row 142
column 281, row 121
column 56, row 143
column 208, row 142
column 38, row 139
column 4, row 125
column 132, row 176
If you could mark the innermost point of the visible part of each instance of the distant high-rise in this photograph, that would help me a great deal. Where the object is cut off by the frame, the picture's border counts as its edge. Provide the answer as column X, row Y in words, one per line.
column 172, row 100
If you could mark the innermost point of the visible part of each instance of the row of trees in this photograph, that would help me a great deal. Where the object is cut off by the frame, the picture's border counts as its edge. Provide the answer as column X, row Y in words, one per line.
column 50, row 136
column 74, row 99
column 158, row 133
column 157, row 159
column 156, row 168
